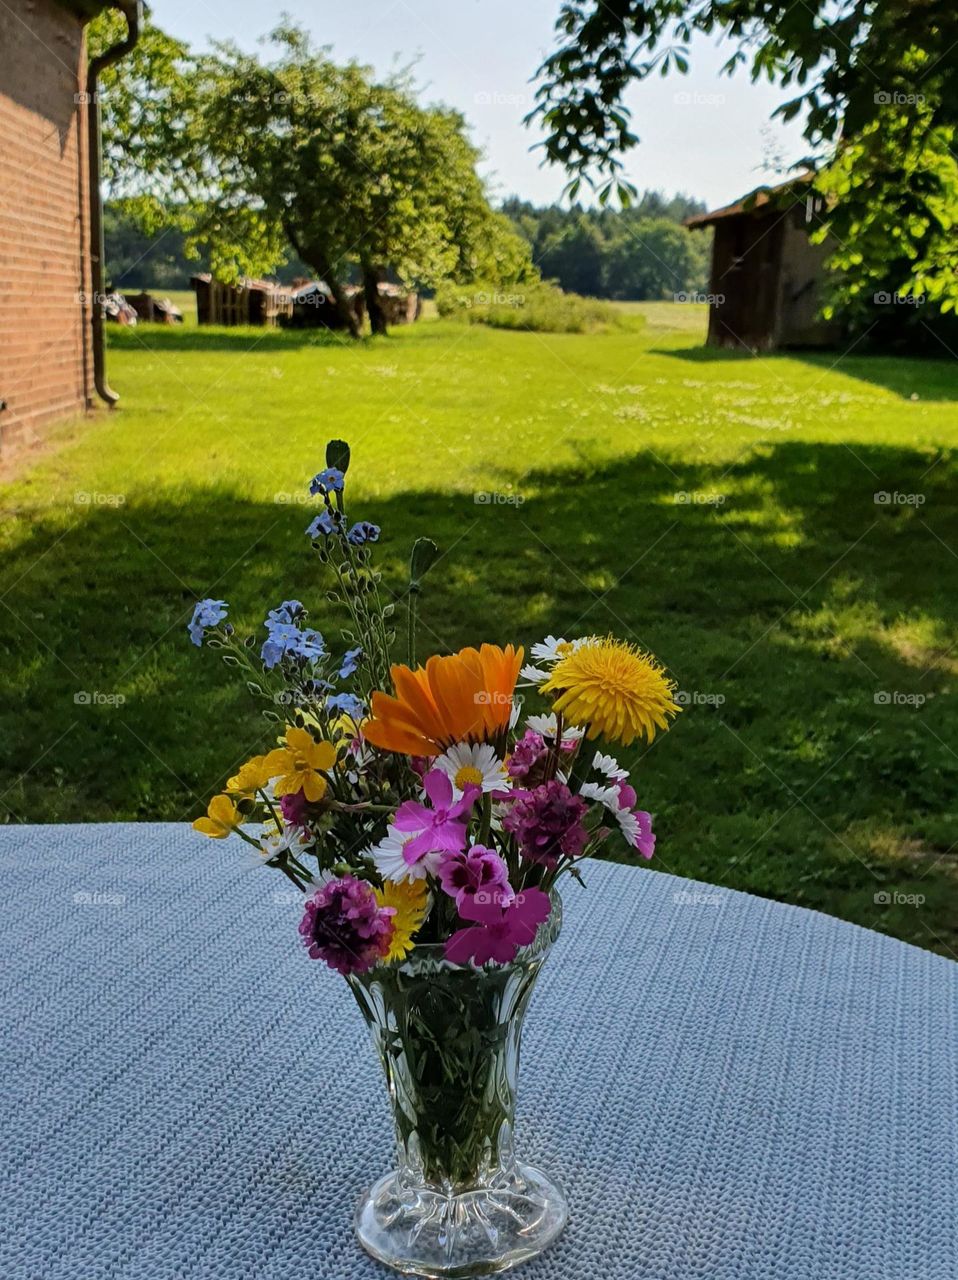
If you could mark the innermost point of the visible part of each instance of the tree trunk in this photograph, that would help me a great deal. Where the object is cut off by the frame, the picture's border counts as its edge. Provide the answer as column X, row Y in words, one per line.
column 372, row 278
column 316, row 258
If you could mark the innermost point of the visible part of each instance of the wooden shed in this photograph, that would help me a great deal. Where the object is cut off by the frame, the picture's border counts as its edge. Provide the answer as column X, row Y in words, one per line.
column 766, row 279
column 254, row 302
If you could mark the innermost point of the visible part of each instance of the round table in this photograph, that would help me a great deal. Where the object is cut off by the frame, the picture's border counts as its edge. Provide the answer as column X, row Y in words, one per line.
column 728, row 1088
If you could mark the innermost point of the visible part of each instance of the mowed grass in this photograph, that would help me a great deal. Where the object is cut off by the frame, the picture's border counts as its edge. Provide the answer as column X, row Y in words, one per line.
column 717, row 509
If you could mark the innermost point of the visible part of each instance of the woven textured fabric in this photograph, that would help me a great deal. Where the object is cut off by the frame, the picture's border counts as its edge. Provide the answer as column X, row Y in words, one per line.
column 728, row 1089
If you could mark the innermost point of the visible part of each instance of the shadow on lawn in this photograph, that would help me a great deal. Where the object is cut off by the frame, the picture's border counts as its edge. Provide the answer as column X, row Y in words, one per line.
column 217, row 338
column 810, row 629
column 926, row 378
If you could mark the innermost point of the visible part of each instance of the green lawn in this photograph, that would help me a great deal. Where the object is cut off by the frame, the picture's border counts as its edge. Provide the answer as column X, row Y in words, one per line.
column 718, row 508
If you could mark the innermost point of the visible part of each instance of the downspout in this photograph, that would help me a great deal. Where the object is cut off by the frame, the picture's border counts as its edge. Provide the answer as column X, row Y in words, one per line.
column 132, row 10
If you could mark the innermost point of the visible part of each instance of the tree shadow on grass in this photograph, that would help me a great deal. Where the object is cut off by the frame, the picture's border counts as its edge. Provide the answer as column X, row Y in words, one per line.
column 933, row 377
column 242, row 339
column 811, row 631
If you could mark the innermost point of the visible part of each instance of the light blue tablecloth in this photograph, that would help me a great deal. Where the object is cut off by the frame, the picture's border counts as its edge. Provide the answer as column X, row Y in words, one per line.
column 727, row 1088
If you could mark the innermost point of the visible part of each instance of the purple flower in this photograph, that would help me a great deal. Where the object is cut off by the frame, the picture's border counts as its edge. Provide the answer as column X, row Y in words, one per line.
column 345, row 926
column 206, row 614
column 547, row 823
column 476, row 870
column 363, row 532
column 502, row 926
column 328, row 481
column 325, row 523
column 527, row 751
column 440, row 829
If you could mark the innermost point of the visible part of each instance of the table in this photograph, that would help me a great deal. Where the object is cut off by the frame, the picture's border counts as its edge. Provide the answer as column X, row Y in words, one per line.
column 728, row 1088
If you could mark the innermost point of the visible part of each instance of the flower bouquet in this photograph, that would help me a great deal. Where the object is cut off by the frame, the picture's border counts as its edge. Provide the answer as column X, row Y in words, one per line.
column 427, row 821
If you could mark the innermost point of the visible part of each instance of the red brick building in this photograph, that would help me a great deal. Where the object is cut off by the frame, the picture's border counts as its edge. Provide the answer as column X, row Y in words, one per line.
column 46, row 280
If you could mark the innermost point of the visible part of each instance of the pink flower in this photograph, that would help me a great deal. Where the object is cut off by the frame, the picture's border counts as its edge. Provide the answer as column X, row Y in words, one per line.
column 344, row 925
column 527, row 751
column 477, row 870
column 547, row 823
column 501, row 928
column 635, row 824
column 441, row 829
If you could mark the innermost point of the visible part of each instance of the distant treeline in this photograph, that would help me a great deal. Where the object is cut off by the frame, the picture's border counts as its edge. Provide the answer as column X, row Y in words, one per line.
column 638, row 253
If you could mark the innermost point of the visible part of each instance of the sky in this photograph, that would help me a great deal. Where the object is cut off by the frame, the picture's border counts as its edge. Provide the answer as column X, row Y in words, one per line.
column 703, row 134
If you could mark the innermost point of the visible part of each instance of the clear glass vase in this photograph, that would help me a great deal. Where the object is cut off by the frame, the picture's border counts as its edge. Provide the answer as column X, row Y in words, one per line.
column 458, row 1203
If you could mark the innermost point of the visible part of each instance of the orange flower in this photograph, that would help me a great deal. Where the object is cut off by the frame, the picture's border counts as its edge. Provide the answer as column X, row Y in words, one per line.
column 466, row 697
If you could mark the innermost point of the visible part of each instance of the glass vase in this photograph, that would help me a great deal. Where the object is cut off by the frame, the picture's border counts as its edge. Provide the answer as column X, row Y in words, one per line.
column 458, row 1203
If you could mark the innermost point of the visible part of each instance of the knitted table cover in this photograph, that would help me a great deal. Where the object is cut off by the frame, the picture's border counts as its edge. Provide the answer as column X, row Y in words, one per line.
column 726, row 1087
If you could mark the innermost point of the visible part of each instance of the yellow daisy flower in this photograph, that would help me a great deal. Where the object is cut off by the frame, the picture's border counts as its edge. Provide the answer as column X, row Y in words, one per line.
column 411, row 902
column 252, row 776
column 222, row 817
column 613, row 689
column 299, row 766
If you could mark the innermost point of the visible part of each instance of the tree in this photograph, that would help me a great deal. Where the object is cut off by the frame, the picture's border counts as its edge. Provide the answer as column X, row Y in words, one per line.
column 858, row 67
column 254, row 156
column 654, row 258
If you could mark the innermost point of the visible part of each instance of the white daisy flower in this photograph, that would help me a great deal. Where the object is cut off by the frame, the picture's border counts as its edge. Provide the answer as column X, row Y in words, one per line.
column 629, row 825
column 535, row 675
column 609, row 766
column 546, row 726
column 292, row 840
column 389, row 860
column 552, row 648
column 607, row 796
column 473, row 764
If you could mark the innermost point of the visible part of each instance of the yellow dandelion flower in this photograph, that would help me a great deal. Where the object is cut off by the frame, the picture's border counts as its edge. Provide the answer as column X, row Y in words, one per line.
column 222, row 817
column 612, row 689
column 410, row 899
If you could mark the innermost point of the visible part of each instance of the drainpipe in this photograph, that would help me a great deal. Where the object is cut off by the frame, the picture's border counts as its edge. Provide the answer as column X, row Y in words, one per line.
column 132, row 10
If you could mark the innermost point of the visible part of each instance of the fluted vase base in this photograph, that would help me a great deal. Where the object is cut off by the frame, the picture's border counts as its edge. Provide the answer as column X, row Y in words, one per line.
column 421, row 1231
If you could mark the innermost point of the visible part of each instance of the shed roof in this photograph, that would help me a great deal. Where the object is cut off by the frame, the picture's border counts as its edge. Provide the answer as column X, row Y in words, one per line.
column 756, row 199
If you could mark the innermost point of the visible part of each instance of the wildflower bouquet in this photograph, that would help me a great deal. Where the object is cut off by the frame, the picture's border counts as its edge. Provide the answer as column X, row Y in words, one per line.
column 427, row 819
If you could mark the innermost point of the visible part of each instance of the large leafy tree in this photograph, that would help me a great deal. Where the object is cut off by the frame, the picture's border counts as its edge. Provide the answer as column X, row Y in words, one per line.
column 875, row 83
column 353, row 173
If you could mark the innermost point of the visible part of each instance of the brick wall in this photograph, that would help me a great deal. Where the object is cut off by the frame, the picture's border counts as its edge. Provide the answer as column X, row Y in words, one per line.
column 45, row 351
